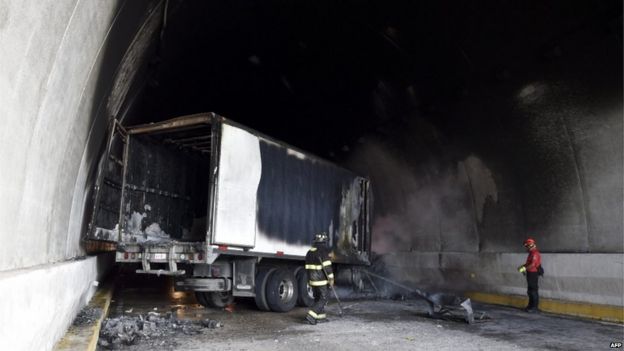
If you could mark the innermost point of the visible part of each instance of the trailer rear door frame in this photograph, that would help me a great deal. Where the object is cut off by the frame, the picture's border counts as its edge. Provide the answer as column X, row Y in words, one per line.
column 236, row 179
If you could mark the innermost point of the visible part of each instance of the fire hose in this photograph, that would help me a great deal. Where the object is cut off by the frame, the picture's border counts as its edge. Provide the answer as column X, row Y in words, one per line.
column 331, row 287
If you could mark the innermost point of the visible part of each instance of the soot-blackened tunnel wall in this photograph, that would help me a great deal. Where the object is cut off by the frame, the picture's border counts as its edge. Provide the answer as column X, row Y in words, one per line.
column 478, row 123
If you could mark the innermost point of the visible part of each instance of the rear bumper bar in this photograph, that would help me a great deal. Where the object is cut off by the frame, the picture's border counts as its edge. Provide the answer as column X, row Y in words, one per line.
column 203, row 284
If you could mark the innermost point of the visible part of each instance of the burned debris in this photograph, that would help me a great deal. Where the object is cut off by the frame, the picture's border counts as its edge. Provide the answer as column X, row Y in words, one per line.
column 87, row 316
column 153, row 328
column 439, row 305
column 375, row 282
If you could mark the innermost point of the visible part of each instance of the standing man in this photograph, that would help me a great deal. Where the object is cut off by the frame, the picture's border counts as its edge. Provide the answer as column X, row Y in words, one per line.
column 531, row 270
column 317, row 264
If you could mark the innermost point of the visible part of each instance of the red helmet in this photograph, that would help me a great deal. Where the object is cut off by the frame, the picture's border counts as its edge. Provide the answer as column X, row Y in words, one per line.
column 529, row 241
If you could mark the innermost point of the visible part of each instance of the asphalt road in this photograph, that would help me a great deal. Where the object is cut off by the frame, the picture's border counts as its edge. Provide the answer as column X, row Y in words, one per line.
column 366, row 325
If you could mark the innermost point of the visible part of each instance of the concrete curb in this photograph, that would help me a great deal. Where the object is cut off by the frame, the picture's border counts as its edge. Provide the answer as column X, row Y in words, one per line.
column 578, row 309
column 86, row 337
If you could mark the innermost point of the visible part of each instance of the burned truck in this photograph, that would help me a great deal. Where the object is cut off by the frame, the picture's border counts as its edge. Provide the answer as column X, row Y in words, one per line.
column 226, row 210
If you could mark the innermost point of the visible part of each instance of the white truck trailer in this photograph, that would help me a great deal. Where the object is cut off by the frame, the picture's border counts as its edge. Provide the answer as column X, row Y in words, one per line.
column 226, row 210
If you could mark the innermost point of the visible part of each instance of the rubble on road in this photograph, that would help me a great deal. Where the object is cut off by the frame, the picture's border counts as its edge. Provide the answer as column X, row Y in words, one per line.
column 154, row 328
column 87, row 315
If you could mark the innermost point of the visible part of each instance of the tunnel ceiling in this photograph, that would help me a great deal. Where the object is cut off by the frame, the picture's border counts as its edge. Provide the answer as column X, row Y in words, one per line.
column 312, row 73
column 478, row 123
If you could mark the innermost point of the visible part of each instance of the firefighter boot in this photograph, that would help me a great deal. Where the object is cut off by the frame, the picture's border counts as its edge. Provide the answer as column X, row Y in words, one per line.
column 310, row 319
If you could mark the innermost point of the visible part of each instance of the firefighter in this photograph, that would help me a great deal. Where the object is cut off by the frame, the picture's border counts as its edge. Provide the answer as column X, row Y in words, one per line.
column 320, row 275
column 531, row 270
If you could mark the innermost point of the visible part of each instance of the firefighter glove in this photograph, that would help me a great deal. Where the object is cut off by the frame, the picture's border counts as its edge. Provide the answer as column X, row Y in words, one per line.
column 331, row 281
column 522, row 269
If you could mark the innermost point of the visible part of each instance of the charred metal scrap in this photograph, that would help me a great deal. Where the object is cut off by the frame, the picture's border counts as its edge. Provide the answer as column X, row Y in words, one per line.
column 440, row 305
column 153, row 328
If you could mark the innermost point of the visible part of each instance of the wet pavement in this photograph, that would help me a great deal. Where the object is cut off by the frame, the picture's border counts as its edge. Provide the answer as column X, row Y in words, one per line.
column 367, row 324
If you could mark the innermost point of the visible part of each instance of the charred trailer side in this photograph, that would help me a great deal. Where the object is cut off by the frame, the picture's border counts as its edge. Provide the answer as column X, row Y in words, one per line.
column 225, row 210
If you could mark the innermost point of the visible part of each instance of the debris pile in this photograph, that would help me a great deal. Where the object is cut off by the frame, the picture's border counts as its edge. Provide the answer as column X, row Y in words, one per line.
column 376, row 284
column 87, row 315
column 151, row 234
column 153, row 328
column 439, row 305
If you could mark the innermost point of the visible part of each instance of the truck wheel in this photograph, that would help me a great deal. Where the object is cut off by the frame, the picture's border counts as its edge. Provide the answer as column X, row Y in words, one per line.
column 306, row 297
column 281, row 291
column 220, row 299
column 200, row 296
column 262, row 278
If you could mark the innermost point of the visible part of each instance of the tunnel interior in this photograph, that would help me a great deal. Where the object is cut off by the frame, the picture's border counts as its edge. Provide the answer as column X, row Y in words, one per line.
column 478, row 124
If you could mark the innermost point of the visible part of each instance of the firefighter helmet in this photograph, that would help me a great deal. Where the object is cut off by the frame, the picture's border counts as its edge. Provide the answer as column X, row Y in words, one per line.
column 529, row 242
column 320, row 238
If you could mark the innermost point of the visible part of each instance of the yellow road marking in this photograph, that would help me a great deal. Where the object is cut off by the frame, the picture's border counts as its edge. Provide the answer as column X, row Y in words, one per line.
column 580, row 309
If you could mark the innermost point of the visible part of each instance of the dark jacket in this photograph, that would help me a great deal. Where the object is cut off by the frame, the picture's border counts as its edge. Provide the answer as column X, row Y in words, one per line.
column 317, row 258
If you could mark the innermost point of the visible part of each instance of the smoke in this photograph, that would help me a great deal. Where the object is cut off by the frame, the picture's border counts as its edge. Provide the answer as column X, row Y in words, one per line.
column 424, row 199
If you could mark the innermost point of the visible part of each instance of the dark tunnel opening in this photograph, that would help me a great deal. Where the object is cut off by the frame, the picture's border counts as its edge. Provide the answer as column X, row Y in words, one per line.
column 479, row 124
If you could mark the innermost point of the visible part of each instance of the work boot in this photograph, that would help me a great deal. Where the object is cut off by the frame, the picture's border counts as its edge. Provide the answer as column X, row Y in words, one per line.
column 310, row 319
column 322, row 320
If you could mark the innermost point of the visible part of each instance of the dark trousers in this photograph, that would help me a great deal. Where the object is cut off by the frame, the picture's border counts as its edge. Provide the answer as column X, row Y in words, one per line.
column 532, row 289
column 321, row 296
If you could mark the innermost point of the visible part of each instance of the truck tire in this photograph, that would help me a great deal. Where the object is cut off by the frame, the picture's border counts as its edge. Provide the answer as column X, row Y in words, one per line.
column 305, row 297
column 200, row 296
column 220, row 299
column 281, row 290
column 262, row 277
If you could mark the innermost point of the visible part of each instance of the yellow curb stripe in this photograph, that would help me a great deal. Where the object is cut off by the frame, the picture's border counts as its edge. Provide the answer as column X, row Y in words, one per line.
column 101, row 298
column 86, row 337
column 579, row 309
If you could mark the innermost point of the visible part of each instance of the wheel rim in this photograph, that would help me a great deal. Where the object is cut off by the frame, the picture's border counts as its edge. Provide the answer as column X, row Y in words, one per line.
column 286, row 290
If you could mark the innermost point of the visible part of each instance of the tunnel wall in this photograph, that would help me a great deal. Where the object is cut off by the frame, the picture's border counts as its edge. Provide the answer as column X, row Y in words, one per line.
column 66, row 68
column 537, row 151
column 38, row 304
column 593, row 279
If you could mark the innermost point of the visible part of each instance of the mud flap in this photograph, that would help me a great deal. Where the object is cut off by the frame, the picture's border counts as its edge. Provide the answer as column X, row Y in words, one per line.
column 244, row 274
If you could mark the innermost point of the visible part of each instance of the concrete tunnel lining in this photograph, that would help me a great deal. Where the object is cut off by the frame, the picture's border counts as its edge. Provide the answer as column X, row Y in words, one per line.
column 51, row 142
column 528, row 142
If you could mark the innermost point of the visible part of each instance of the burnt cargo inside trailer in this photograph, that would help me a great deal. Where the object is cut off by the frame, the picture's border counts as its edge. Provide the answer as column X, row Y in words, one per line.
column 192, row 188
